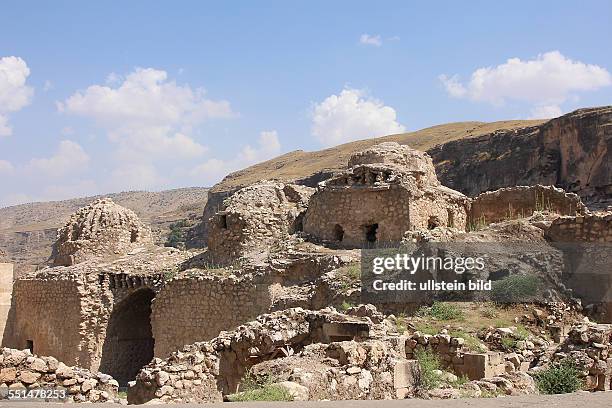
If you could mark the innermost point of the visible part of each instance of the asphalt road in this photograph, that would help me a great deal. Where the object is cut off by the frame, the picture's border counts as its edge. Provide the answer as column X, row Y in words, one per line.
column 577, row 400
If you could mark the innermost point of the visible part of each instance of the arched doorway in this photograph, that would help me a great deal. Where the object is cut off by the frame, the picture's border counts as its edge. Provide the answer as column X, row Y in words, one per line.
column 129, row 342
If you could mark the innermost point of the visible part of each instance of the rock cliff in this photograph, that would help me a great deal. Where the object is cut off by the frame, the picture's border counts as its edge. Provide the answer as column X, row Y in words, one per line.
column 573, row 152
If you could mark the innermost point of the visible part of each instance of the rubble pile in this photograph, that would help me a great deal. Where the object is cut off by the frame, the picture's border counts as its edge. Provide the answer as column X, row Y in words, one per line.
column 21, row 370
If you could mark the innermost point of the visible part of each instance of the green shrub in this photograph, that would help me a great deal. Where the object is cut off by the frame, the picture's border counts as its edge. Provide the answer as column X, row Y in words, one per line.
column 441, row 311
column 176, row 237
column 269, row 392
column 521, row 333
column 346, row 306
column 471, row 342
column 428, row 364
column 508, row 342
column 260, row 389
column 515, row 289
column 560, row 378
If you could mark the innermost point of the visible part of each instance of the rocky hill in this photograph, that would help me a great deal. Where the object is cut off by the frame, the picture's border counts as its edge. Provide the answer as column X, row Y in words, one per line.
column 28, row 231
column 573, row 151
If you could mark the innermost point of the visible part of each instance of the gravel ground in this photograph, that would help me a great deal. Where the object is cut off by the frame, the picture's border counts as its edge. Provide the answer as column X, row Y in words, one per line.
column 577, row 400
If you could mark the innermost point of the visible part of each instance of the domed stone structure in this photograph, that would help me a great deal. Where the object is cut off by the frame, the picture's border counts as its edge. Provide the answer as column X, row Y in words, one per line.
column 387, row 189
column 101, row 229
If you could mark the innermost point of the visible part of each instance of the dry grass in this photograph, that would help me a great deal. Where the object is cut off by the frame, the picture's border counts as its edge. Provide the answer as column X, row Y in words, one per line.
column 475, row 317
column 299, row 164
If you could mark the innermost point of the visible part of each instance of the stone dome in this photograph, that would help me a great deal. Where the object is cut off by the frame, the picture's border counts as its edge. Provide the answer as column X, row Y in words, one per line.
column 401, row 158
column 101, row 229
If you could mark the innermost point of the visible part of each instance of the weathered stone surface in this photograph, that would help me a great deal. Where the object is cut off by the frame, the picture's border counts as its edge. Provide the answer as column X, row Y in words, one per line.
column 45, row 372
column 572, row 152
column 387, row 190
column 102, row 229
column 256, row 218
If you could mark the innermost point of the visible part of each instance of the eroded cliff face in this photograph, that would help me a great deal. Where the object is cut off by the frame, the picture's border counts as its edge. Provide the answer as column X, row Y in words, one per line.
column 573, row 152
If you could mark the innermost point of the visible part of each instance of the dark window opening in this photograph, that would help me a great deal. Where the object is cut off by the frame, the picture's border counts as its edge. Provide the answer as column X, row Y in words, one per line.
column 30, row 345
column 451, row 218
column 370, row 232
column 433, row 222
column 338, row 233
column 223, row 221
column 134, row 236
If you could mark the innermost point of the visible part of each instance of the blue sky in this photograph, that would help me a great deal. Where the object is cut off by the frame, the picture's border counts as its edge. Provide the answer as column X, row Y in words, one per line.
column 107, row 96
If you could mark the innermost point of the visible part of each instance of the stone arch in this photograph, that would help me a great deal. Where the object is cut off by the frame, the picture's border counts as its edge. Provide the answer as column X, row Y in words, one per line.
column 129, row 342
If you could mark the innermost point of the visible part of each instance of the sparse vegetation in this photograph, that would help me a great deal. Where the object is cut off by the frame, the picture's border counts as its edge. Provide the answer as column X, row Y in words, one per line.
column 346, row 306
column 521, row 333
column 471, row 342
column 508, row 342
column 400, row 323
column 176, row 237
column 560, row 378
column 349, row 275
column 428, row 365
column 427, row 329
column 477, row 224
column 441, row 311
column 262, row 389
column 515, row 288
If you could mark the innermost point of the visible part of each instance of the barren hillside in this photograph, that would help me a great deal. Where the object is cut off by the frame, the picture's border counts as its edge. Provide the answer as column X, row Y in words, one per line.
column 302, row 165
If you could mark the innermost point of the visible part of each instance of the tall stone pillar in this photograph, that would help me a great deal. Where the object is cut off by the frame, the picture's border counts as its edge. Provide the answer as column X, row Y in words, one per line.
column 6, row 292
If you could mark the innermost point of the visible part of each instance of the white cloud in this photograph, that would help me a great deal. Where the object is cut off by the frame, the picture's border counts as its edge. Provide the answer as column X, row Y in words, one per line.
column 546, row 82
column 146, row 113
column 352, row 115
column 69, row 157
column 546, row 112
column 367, row 39
column 48, row 86
column 213, row 170
column 14, row 93
column 6, row 167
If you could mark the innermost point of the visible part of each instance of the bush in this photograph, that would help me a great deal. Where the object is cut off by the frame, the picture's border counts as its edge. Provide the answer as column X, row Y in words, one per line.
column 266, row 393
column 515, row 289
column 442, row 311
column 428, row 365
column 260, row 389
column 176, row 237
column 560, row 378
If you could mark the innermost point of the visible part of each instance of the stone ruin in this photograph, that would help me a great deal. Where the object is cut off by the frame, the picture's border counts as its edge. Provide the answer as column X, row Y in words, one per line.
column 21, row 370
column 113, row 302
column 387, row 190
column 523, row 201
column 256, row 218
column 103, row 228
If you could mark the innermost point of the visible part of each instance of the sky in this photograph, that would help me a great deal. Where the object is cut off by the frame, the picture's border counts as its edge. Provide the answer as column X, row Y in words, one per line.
column 100, row 97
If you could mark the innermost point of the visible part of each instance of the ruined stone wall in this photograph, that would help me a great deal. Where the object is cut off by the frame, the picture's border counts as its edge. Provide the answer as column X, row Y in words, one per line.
column 189, row 310
column 522, row 201
column 48, row 318
column 596, row 227
column 256, row 218
column 440, row 209
column 345, row 216
column 6, row 292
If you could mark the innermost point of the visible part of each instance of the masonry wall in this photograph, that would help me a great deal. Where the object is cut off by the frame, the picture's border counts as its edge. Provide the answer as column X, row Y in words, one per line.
column 189, row 310
column 6, row 292
column 437, row 210
column 522, row 201
column 583, row 228
column 343, row 215
column 48, row 314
